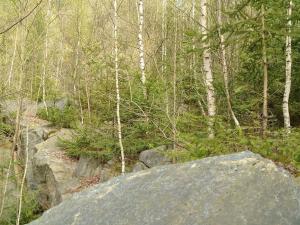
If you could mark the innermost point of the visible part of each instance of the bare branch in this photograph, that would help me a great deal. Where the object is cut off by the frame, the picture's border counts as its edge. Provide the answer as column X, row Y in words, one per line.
column 21, row 19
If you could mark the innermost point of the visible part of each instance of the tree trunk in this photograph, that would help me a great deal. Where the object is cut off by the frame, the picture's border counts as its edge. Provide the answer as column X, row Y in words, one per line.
column 10, row 75
column 116, row 48
column 224, row 65
column 174, row 125
column 141, row 46
column 46, row 58
column 288, row 72
column 265, row 71
column 211, row 105
column 164, row 54
column 23, row 178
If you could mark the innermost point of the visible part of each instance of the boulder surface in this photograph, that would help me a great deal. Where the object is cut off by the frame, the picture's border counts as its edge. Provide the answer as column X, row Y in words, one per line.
column 237, row 189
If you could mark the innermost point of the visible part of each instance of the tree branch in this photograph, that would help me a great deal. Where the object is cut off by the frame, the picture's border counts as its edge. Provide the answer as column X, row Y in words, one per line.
column 21, row 19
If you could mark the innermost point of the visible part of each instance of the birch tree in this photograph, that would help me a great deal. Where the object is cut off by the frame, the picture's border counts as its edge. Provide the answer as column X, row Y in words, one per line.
column 23, row 178
column 288, row 72
column 46, row 56
column 116, row 54
column 141, row 45
column 224, row 63
column 174, row 123
column 265, row 73
column 11, row 68
column 207, row 69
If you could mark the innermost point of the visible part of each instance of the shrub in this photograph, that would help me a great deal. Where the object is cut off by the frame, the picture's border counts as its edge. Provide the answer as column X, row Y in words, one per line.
column 30, row 211
column 62, row 118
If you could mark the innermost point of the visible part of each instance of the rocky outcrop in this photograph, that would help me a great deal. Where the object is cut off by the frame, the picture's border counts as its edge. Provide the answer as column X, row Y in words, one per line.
column 237, row 189
column 53, row 171
column 151, row 158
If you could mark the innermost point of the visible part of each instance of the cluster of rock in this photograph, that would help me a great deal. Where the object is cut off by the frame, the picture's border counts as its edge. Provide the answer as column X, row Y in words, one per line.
column 50, row 172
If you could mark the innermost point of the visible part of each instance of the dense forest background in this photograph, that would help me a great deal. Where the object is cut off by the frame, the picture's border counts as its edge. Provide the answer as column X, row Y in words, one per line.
column 204, row 77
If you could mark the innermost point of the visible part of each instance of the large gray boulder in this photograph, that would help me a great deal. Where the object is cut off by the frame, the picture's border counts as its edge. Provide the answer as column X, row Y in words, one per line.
column 238, row 189
column 53, row 171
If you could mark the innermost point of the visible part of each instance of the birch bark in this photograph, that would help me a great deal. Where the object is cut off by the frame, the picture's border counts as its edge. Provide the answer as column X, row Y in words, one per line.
column 288, row 72
column 141, row 45
column 208, row 75
column 116, row 51
column 265, row 74
column 224, row 64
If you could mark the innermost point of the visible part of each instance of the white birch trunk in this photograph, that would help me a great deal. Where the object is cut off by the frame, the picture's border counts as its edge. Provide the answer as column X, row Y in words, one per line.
column 163, row 28
column 224, row 64
column 141, row 45
column 174, row 125
column 265, row 72
column 288, row 72
column 211, row 105
column 11, row 69
column 193, row 46
column 23, row 178
column 164, row 53
column 46, row 57
column 116, row 50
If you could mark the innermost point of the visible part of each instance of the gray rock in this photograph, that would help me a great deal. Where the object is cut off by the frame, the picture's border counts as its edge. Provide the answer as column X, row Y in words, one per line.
column 139, row 166
column 53, row 171
column 106, row 174
column 155, row 157
column 35, row 136
column 237, row 189
column 60, row 103
column 87, row 167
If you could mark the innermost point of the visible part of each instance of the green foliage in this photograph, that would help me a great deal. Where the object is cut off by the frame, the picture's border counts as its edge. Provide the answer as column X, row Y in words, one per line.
column 277, row 146
column 66, row 118
column 93, row 143
column 103, row 143
column 30, row 211
column 6, row 130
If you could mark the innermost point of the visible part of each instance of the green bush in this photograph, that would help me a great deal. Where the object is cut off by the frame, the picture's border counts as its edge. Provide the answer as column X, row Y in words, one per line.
column 62, row 118
column 103, row 143
column 278, row 147
column 30, row 211
column 88, row 142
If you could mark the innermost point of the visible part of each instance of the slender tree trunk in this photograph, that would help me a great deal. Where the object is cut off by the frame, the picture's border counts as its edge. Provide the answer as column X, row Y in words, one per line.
column 163, row 28
column 193, row 45
column 141, row 45
column 265, row 71
column 11, row 69
column 23, row 179
column 59, row 64
column 46, row 57
column 164, row 54
column 174, row 125
column 116, row 49
column 224, row 65
column 288, row 72
column 87, row 92
column 193, row 64
column 211, row 105
column 75, row 89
